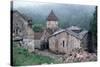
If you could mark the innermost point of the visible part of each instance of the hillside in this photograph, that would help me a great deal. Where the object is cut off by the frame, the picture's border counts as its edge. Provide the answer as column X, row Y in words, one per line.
column 67, row 14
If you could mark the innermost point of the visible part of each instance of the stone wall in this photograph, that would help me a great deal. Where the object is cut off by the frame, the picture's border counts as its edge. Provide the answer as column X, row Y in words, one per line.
column 22, row 30
column 37, row 44
column 73, row 42
column 28, row 44
column 84, row 42
column 52, row 44
column 63, row 43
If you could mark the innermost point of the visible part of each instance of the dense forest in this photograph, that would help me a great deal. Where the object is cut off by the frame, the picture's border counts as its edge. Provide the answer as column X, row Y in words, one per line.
column 93, row 32
column 68, row 14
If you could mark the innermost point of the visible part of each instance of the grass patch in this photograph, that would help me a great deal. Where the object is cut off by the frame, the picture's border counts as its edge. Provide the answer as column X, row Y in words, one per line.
column 22, row 57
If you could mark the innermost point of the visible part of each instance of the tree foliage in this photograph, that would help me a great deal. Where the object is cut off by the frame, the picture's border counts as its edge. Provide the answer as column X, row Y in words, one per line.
column 93, row 29
column 37, row 27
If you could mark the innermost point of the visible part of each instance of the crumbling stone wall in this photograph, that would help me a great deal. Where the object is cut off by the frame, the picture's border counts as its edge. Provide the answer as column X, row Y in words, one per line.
column 22, row 29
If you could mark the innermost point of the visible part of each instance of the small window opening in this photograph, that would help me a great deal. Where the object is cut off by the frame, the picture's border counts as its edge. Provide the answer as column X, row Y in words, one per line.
column 63, row 43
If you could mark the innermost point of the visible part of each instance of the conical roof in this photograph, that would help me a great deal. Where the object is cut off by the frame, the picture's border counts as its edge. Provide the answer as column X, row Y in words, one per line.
column 52, row 16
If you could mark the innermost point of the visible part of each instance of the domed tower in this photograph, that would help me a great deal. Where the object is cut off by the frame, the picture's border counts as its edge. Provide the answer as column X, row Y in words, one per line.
column 52, row 21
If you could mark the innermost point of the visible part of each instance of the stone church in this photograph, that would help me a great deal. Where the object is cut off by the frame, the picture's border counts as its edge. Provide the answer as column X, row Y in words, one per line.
column 41, row 39
column 63, row 40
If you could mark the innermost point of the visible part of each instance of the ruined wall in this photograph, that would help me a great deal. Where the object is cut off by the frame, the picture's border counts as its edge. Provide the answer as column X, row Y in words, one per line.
column 22, row 30
column 37, row 44
column 18, row 25
column 28, row 44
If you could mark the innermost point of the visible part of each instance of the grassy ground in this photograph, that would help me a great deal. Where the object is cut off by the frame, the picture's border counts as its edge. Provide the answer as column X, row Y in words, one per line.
column 22, row 57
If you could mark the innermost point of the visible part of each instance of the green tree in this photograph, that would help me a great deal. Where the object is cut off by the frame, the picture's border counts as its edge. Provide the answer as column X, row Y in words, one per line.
column 93, row 30
column 37, row 27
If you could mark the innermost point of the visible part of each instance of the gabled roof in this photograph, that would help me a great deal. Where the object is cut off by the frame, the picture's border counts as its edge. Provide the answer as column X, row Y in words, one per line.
column 21, row 15
column 52, row 16
column 59, row 31
column 79, row 35
column 83, row 33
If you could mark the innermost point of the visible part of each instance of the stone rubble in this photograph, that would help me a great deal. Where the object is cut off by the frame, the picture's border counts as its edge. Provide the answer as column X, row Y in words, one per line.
column 74, row 56
column 27, row 44
column 80, row 56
